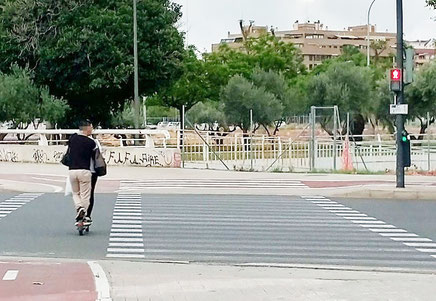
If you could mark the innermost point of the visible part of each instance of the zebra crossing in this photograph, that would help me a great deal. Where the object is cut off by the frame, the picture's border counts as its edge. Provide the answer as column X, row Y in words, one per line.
column 421, row 244
column 10, row 205
column 126, row 239
column 134, row 185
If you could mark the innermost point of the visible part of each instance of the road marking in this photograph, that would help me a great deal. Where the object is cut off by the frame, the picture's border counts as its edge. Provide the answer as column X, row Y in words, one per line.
column 422, row 245
column 427, row 250
column 101, row 283
column 416, row 239
column 128, row 213
column 388, row 230
column 351, row 214
column 128, row 217
column 3, row 215
column 126, row 244
column 399, row 234
column 125, row 256
column 10, row 275
column 123, row 221
column 377, row 226
column 366, row 218
column 5, row 212
column 125, row 250
column 368, row 222
column 127, row 226
column 125, row 230
column 124, row 239
column 127, row 210
column 126, row 235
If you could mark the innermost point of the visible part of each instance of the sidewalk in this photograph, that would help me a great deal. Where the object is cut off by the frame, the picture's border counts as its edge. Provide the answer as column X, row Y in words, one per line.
column 42, row 279
column 51, row 178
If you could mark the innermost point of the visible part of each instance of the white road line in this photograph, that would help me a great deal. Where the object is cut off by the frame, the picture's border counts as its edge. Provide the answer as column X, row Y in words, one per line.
column 125, row 256
column 388, row 230
column 123, row 221
column 126, row 234
column 368, row 222
column 126, row 226
column 126, row 244
column 421, row 245
column 377, row 226
column 11, row 206
column 128, row 204
column 351, row 214
column 399, row 234
column 416, row 239
column 117, row 230
column 10, row 275
column 323, row 202
column 344, row 211
column 128, row 217
column 360, row 218
column 427, row 250
column 122, row 250
column 127, row 213
column 121, row 239
column 313, row 197
column 127, row 210
column 3, row 215
column 337, row 208
column 101, row 283
column 5, row 212
column 332, row 205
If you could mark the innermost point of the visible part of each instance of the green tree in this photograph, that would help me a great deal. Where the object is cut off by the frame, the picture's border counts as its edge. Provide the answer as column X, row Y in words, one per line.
column 431, row 3
column 209, row 113
column 421, row 96
column 240, row 96
column 82, row 50
column 191, row 87
column 266, row 53
column 22, row 102
column 343, row 84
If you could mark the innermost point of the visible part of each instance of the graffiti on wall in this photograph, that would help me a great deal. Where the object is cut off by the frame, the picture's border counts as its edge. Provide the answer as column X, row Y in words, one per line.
column 127, row 158
column 40, row 156
column 8, row 156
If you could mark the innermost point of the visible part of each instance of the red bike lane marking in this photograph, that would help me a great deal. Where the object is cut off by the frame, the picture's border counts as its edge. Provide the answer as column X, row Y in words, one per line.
column 47, row 281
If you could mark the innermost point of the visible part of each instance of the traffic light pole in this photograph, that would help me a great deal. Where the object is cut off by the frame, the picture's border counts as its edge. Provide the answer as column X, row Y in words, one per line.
column 400, row 96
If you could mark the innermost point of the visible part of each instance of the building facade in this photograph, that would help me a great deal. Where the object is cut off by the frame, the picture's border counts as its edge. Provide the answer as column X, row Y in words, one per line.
column 317, row 43
column 425, row 51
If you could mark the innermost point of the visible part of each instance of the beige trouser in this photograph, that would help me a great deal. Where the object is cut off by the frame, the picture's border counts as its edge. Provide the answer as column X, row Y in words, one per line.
column 81, row 186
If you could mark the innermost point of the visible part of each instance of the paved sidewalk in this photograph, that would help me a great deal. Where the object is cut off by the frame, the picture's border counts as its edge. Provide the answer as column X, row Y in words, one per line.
column 159, row 281
column 51, row 178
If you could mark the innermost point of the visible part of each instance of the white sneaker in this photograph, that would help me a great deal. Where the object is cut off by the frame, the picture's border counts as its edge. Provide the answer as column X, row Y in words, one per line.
column 80, row 214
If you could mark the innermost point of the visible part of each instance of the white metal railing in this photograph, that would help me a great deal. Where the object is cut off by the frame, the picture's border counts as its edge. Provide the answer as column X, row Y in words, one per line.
column 115, row 137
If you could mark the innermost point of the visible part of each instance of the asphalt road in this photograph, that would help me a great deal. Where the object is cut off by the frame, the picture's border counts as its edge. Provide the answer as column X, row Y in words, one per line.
column 224, row 229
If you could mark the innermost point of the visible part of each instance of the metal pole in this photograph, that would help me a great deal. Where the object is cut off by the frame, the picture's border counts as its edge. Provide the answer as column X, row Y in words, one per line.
column 251, row 139
column 312, row 137
column 428, row 142
column 335, row 130
column 144, row 99
column 135, row 54
column 367, row 38
column 400, row 95
column 182, row 137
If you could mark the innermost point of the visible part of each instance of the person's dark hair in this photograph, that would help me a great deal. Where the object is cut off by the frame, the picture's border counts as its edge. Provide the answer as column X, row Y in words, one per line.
column 84, row 123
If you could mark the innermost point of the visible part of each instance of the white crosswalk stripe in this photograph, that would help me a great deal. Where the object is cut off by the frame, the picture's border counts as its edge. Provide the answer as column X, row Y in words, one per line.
column 126, row 238
column 132, row 185
column 421, row 244
column 12, row 204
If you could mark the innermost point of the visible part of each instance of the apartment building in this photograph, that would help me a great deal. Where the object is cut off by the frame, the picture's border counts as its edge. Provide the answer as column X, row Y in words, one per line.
column 425, row 51
column 317, row 42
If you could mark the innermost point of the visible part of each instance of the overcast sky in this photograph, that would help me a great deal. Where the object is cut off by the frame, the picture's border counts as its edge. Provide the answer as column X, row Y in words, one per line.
column 208, row 21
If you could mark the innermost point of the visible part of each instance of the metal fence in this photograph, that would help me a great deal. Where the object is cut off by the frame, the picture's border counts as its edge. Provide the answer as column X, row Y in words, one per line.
column 239, row 151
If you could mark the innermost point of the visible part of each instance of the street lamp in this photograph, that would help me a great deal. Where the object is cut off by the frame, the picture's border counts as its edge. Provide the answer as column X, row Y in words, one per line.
column 135, row 54
column 367, row 38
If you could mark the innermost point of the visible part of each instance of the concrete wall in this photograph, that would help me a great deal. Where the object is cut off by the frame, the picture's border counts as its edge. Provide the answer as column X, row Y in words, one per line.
column 125, row 156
